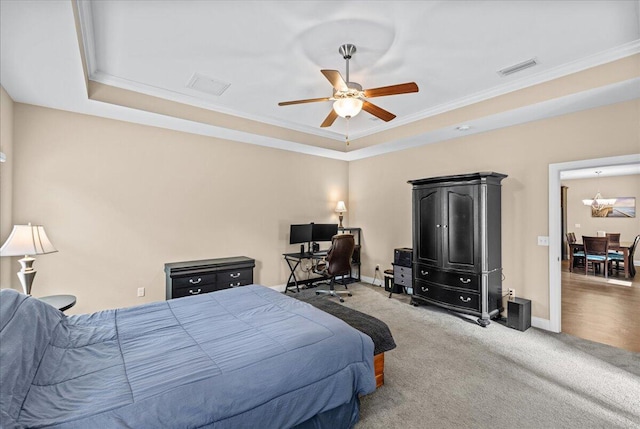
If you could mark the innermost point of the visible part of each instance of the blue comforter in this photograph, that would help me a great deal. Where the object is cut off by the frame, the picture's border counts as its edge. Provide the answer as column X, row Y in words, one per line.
column 243, row 357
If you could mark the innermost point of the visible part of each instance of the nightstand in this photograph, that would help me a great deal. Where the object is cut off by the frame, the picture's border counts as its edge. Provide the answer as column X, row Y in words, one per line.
column 61, row 302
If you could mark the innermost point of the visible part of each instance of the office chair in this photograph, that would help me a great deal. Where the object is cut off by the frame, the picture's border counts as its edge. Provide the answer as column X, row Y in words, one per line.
column 338, row 262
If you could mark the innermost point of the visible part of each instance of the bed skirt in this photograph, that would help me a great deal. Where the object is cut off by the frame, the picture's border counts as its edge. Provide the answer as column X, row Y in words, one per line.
column 344, row 416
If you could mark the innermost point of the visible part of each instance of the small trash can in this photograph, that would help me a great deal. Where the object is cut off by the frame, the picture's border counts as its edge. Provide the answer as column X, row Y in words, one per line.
column 388, row 280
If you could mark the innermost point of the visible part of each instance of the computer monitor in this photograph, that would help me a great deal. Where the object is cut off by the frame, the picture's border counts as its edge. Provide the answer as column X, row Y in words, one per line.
column 300, row 233
column 323, row 231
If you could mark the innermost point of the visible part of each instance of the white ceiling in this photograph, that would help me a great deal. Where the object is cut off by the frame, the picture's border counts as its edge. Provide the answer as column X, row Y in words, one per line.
column 271, row 51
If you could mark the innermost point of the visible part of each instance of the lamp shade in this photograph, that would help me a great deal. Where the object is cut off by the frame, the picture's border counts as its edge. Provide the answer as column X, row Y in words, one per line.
column 340, row 207
column 347, row 107
column 27, row 240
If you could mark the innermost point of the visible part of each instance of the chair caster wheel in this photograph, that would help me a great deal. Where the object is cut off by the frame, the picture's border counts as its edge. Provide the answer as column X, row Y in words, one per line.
column 349, row 294
column 341, row 300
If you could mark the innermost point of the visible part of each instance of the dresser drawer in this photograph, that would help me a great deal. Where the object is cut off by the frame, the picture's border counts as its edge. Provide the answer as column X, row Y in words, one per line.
column 195, row 290
column 235, row 278
column 194, row 280
column 235, row 275
column 452, row 297
column 402, row 276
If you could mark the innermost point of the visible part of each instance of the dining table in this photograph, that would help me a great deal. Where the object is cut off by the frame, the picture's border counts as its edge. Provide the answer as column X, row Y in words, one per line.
column 623, row 246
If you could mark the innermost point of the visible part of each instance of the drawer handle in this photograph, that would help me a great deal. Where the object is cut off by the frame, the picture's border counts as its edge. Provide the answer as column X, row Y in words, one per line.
column 424, row 289
column 424, row 273
column 196, row 292
column 465, row 299
column 234, row 284
column 195, row 282
column 465, row 281
column 235, row 276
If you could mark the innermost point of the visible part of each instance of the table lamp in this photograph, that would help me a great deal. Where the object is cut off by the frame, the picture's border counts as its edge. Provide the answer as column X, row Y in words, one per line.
column 341, row 208
column 26, row 240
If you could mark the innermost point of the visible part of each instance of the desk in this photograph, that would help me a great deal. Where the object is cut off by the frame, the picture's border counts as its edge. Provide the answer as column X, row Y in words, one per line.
column 293, row 261
column 61, row 302
column 623, row 246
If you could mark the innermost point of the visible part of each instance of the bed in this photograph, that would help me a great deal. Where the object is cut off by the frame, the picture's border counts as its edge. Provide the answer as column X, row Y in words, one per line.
column 242, row 357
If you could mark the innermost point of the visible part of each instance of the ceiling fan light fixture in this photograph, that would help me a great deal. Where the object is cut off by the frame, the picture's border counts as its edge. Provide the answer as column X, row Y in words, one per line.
column 347, row 107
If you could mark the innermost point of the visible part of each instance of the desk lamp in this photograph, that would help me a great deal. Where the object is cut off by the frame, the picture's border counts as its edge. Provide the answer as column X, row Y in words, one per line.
column 26, row 240
column 341, row 208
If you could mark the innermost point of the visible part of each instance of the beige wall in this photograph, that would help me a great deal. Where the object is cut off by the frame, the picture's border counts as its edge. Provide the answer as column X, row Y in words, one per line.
column 380, row 198
column 579, row 214
column 6, row 146
column 119, row 200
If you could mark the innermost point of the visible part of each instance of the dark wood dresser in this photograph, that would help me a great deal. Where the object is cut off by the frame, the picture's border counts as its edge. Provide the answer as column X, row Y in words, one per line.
column 209, row 275
column 457, row 259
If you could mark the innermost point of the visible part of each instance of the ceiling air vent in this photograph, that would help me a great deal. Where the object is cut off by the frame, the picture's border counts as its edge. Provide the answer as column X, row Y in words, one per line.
column 203, row 83
column 518, row 67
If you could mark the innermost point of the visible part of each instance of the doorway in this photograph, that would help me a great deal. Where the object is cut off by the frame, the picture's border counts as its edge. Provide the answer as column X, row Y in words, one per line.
column 555, row 229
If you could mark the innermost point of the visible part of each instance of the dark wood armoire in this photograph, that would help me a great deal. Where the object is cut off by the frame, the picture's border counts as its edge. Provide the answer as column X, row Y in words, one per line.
column 457, row 259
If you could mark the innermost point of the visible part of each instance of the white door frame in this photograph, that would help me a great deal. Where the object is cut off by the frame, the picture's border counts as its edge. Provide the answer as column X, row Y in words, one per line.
column 555, row 231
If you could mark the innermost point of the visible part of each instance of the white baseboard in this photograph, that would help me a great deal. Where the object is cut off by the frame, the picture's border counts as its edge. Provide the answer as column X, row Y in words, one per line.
column 279, row 288
column 378, row 281
column 540, row 323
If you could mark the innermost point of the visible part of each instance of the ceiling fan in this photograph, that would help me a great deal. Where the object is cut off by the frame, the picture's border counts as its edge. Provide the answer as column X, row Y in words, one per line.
column 349, row 97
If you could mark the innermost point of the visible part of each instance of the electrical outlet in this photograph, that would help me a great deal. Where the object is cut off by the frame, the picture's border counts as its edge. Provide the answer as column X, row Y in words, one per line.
column 577, row 225
column 512, row 294
column 140, row 291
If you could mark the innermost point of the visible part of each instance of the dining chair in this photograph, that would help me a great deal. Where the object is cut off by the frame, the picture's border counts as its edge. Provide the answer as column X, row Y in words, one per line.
column 613, row 237
column 614, row 255
column 596, row 250
column 619, row 257
column 578, row 253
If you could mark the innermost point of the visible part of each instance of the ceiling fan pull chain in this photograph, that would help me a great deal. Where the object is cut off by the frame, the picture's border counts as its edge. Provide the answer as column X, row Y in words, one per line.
column 347, row 136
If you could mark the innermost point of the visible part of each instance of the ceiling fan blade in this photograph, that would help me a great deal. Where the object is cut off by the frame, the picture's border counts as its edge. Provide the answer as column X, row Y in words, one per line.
column 308, row 100
column 336, row 79
column 331, row 117
column 402, row 88
column 377, row 111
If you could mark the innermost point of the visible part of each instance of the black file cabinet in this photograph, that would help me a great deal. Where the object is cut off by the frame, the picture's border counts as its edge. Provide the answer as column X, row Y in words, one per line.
column 209, row 275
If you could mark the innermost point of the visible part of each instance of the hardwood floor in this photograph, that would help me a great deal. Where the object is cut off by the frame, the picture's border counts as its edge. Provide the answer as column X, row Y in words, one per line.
column 601, row 310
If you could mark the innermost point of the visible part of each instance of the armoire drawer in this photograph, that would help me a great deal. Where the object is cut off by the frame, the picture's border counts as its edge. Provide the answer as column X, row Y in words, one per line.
column 448, row 278
column 455, row 297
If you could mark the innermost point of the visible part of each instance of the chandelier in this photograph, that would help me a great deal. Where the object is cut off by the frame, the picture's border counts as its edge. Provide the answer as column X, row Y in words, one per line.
column 598, row 203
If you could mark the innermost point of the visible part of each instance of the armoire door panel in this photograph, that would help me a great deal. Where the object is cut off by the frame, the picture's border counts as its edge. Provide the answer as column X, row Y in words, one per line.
column 429, row 224
column 461, row 220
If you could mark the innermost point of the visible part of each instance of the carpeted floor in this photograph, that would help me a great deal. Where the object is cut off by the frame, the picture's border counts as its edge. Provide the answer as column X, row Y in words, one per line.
column 448, row 372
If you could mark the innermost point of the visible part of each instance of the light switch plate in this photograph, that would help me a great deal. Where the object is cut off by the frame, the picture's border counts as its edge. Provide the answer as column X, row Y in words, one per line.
column 543, row 240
